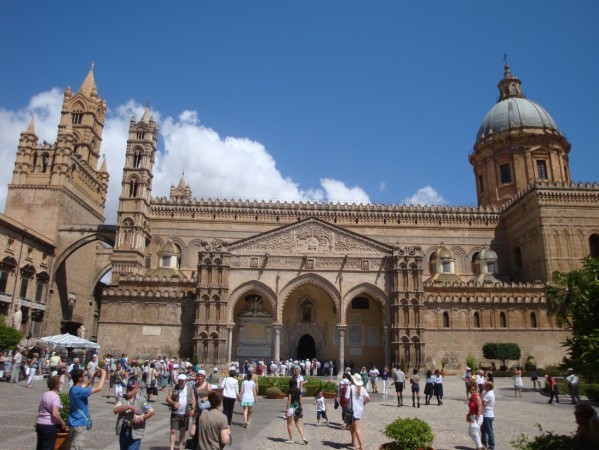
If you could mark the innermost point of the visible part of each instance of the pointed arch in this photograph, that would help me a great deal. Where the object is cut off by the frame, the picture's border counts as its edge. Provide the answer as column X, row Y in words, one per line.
column 251, row 286
column 369, row 290
column 315, row 280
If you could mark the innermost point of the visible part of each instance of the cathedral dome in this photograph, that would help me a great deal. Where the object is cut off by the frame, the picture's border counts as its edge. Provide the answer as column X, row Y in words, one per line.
column 170, row 249
column 513, row 110
column 515, row 113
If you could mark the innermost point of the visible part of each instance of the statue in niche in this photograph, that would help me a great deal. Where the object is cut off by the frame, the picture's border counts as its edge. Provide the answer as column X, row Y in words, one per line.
column 17, row 318
column 81, row 332
column 307, row 312
column 254, row 306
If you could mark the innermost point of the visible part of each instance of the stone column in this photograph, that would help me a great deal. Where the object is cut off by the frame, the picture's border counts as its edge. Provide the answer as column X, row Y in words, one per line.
column 229, row 343
column 277, row 355
column 386, row 346
column 341, row 366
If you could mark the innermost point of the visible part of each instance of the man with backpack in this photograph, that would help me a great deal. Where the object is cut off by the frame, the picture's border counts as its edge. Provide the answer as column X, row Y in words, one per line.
column 342, row 399
column 182, row 402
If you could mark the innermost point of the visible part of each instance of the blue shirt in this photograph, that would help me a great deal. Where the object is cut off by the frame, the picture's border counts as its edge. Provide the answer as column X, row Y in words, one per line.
column 79, row 411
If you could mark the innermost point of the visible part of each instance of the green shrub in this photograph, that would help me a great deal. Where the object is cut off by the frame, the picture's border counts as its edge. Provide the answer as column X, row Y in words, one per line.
column 548, row 441
column 471, row 362
column 592, row 392
column 409, row 434
column 273, row 391
column 502, row 351
column 66, row 405
column 328, row 386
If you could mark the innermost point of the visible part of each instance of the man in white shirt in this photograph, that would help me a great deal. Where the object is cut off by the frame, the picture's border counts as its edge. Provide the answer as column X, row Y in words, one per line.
column 92, row 366
column 183, row 405
column 488, row 399
column 573, row 386
column 399, row 379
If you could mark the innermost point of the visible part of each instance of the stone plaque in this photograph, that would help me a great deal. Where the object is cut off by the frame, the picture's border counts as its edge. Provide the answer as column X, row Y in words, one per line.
column 151, row 331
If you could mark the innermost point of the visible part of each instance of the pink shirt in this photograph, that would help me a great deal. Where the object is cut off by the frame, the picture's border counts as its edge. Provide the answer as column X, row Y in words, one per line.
column 48, row 401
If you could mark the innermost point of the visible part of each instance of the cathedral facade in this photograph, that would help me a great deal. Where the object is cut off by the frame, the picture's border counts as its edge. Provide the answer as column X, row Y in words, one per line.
column 233, row 280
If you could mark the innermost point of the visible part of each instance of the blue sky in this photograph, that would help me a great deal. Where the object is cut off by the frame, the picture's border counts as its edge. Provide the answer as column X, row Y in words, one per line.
column 287, row 100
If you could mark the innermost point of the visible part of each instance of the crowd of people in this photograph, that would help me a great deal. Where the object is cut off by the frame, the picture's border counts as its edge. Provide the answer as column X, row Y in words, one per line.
column 196, row 397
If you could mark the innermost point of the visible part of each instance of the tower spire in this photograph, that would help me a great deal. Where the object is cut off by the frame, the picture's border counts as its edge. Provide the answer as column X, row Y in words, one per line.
column 89, row 83
column 31, row 127
column 509, row 86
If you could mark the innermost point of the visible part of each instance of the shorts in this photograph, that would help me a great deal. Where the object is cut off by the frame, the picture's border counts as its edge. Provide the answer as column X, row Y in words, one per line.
column 291, row 412
column 179, row 422
column 322, row 414
column 250, row 404
column 415, row 387
column 399, row 386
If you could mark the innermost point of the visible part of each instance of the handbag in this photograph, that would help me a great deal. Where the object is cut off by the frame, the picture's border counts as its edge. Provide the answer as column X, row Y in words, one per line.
column 336, row 405
column 298, row 412
column 349, row 412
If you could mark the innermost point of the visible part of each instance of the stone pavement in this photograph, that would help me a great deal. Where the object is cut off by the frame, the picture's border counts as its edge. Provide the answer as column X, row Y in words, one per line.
column 268, row 429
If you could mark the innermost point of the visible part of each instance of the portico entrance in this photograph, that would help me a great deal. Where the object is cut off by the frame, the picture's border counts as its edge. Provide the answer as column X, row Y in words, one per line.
column 306, row 347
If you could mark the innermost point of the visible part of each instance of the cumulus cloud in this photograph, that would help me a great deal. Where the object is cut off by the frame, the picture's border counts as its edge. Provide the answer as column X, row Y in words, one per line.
column 214, row 166
column 425, row 196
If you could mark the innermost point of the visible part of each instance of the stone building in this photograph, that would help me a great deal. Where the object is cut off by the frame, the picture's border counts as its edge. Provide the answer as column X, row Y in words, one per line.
column 378, row 283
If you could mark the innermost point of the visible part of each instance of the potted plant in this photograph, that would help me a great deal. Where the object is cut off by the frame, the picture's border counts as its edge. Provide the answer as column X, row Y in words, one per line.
column 62, row 439
column 329, row 389
column 275, row 393
column 408, row 434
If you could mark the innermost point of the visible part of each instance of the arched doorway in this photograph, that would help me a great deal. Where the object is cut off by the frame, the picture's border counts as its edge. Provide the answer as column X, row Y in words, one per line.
column 306, row 347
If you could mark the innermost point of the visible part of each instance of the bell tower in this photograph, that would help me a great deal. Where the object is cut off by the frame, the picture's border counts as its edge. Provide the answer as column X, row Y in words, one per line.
column 134, row 203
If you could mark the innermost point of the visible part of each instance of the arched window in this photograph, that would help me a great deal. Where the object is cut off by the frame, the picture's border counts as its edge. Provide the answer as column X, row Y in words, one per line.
column 518, row 259
column 594, row 245
column 360, row 303
column 133, row 188
column 445, row 320
column 533, row 320
column 476, row 320
column 34, row 161
column 474, row 263
column 502, row 320
column 45, row 162
column 137, row 160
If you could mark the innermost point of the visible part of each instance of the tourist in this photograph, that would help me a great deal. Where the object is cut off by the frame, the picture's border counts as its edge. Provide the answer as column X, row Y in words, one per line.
column 213, row 430
column 48, row 419
column 321, row 407
column 183, row 405
column 415, row 383
column 573, row 386
column 587, row 433
column 534, row 377
column 294, row 411
column 133, row 411
column 553, row 388
column 466, row 378
column 488, row 401
column 300, row 379
column 342, row 398
column 429, row 387
column 120, row 380
column 151, row 381
column 358, row 398
column 79, row 418
column 214, row 379
column 438, row 388
column 92, row 366
column 518, row 385
column 364, row 375
column 373, row 374
column 480, row 381
column 32, row 365
column 73, row 366
column 17, row 359
column 399, row 380
column 2, row 365
column 385, row 378
column 230, row 388
column 202, row 388
column 475, row 416
column 249, row 396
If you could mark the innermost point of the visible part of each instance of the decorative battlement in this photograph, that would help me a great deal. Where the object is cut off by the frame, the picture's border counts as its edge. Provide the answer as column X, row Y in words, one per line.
column 559, row 191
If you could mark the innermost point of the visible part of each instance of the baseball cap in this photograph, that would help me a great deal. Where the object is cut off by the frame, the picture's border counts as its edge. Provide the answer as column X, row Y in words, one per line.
column 202, row 372
column 215, row 369
column 131, row 384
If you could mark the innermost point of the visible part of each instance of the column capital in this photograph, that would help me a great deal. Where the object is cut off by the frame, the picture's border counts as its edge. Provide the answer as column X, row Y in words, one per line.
column 342, row 327
column 277, row 325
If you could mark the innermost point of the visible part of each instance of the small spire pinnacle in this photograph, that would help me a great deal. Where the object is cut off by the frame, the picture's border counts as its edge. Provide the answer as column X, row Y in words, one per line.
column 103, row 167
column 31, row 127
column 92, row 68
column 89, row 83
column 146, row 117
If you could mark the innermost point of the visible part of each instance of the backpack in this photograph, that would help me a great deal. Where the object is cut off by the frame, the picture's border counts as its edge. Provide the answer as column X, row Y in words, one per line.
column 343, row 401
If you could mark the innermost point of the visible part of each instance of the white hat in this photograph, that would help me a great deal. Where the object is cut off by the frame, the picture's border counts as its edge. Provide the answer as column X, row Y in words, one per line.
column 202, row 372
column 215, row 369
column 175, row 366
column 182, row 377
column 357, row 379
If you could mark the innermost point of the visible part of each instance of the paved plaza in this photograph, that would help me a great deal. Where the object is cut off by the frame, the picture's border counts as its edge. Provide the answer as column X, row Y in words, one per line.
column 268, row 428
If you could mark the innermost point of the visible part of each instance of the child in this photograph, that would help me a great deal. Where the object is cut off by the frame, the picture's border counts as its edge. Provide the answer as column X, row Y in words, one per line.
column 321, row 408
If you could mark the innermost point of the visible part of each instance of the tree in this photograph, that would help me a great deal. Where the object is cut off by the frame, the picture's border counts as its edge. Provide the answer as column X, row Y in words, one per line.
column 9, row 337
column 574, row 300
column 502, row 351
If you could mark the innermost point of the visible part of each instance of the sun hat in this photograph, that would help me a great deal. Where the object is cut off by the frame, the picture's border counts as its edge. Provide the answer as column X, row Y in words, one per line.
column 215, row 369
column 357, row 379
column 182, row 377
column 202, row 372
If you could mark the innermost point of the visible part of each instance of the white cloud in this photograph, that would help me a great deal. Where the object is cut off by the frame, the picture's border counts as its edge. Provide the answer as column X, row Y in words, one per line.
column 383, row 186
column 215, row 167
column 425, row 196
